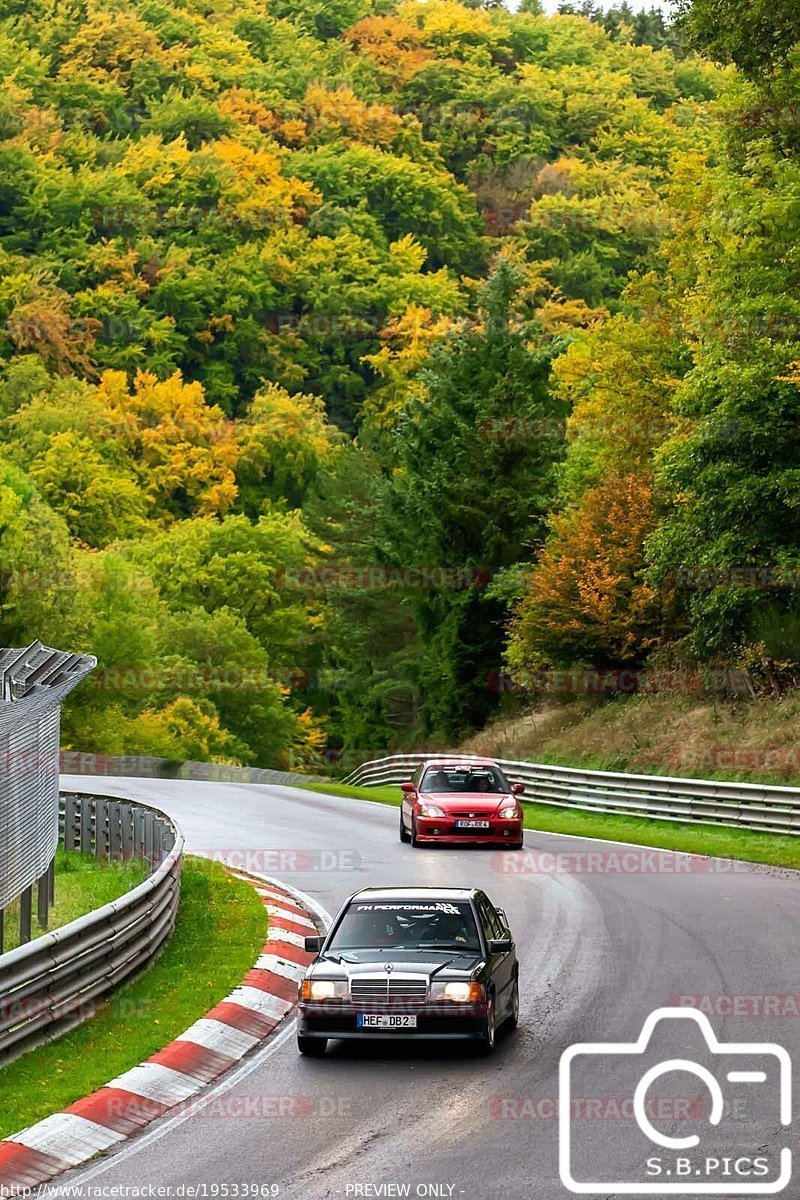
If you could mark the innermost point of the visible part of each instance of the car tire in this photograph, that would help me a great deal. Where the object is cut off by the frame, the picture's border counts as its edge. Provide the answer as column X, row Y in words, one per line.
column 312, row 1047
column 520, row 845
column 414, row 839
column 489, row 1031
column 512, row 1020
column 405, row 836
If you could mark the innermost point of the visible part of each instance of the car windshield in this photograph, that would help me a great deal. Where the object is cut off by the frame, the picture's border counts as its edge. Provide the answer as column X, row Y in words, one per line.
column 407, row 925
column 464, row 779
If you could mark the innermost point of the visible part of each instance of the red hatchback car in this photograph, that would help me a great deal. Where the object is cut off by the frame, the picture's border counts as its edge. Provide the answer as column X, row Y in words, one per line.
column 452, row 800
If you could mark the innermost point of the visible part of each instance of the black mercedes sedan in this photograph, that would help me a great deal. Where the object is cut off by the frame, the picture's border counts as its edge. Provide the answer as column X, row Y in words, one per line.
column 411, row 963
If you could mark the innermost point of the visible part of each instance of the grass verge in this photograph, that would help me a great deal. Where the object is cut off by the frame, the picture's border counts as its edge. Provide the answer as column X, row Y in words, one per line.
column 717, row 842
column 386, row 795
column 82, row 884
column 221, row 928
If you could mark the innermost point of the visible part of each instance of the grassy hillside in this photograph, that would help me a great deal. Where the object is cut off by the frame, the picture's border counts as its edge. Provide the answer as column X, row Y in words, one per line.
column 754, row 740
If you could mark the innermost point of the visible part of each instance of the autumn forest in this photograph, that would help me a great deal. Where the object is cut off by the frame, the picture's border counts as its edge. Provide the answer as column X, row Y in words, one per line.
column 367, row 366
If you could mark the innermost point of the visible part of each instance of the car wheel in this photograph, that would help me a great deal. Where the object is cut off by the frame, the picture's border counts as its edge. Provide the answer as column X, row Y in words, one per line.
column 513, row 1017
column 404, row 834
column 313, row 1047
column 489, row 1028
column 414, row 838
column 520, row 845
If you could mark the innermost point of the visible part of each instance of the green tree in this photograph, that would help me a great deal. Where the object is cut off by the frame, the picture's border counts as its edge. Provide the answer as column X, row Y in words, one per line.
column 729, row 474
column 471, row 485
column 283, row 442
column 757, row 35
column 246, row 567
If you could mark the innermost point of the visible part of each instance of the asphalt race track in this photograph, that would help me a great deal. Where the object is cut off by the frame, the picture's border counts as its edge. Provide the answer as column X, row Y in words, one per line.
column 600, row 948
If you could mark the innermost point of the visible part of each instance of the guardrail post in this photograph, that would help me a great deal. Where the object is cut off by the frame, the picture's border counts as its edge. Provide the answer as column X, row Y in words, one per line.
column 149, row 832
column 100, row 811
column 126, row 817
column 70, row 815
column 114, row 832
column 87, row 825
column 43, row 899
column 51, row 882
column 25, row 914
column 138, row 832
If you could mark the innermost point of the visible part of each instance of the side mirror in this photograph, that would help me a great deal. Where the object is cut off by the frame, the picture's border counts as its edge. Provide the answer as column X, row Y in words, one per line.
column 409, row 788
column 517, row 789
column 314, row 944
column 500, row 945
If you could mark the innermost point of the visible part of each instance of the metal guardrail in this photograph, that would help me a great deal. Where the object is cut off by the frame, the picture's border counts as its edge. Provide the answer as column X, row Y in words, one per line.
column 33, row 682
column 76, row 762
column 765, row 808
column 52, row 984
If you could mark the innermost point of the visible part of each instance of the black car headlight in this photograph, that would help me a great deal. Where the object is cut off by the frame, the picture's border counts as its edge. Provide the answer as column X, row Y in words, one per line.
column 458, row 991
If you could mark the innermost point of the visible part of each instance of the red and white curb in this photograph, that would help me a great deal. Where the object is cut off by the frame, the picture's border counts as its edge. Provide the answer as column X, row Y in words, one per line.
column 215, row 1043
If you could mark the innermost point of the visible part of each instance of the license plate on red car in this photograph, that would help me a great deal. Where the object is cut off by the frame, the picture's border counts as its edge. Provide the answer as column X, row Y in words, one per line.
column 472, row 824
column 385, row 1021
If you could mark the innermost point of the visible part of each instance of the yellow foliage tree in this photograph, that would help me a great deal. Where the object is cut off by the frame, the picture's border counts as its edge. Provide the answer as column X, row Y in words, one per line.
column 394, row 45
column 407, row 339
column 619, row 391
column 114, row 41
column 586, row 600
column 327, row 114
column 281, row 443
column 41, row 322
column 184, row 450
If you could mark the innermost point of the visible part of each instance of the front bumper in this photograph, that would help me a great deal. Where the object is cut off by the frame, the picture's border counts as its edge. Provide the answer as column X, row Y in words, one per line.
column 444, row 829
column 339, row 1019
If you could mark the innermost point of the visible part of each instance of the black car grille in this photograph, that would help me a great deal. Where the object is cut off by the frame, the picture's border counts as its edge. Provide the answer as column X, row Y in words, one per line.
column 381, row 989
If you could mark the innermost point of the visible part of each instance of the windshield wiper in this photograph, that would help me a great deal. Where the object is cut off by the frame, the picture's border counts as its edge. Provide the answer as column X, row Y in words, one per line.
column 445, row 946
